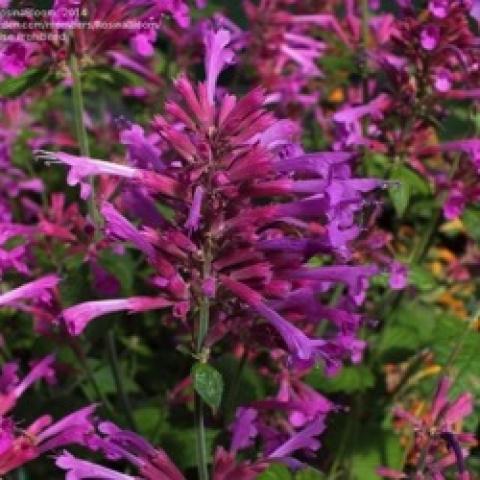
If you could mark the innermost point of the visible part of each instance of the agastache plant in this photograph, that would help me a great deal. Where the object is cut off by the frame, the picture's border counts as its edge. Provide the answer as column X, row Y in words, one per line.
column 250, row 208
column 258, row 275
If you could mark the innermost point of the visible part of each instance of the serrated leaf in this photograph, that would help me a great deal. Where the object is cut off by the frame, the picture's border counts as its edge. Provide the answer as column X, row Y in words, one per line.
column 14, row 86
column 208, row 383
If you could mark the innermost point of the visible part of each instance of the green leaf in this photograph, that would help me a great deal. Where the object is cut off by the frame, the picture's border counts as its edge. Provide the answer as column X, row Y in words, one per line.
column 149, row 420
column 121, row 267
column 421, row 278
column 276, row 472
column 409, row 327
column 408, row 183
column 14, row 86
column 471, row 221
column 310, row 474
column 375, row 448
column 106, row 383
column 350, row 379
column 208, row 383
column 180, row 444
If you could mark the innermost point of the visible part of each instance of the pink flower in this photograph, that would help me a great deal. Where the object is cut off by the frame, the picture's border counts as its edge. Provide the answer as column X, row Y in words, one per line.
column 79, row 316
column 11, row 388
column 83, row 167
column 39, row 289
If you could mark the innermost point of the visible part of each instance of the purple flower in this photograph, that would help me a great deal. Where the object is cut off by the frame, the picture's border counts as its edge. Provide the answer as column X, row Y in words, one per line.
column 443, row 80
column 39, row 289
column 374, row 109
column 142, row 151
column 75, row 428
column 11, row 388
column 14, row 58
column 439, row 8
column 355, row 277
column 218, row 55
column 118, row 227
column 455, row 203
column 65, row 13
column 302, row 347
column 475, row 10
column 143, row 43
column 117, row 444
column 82, row 470
column 243, row 429
column 302, row 440
column 193, row 220
column 429, row 37
column 398, row 276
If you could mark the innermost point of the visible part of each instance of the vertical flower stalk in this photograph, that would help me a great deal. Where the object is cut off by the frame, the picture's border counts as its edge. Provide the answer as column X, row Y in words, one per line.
column 81, row 131
column 250, row 209
column 202, row 330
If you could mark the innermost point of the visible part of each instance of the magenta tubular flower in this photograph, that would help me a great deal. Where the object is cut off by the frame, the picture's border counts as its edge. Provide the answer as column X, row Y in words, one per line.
column 82, row 167
column 117, row 444
column 82, row 470
column 42, row 436
column 79, row 316
column 39, row 289
column 11, row 388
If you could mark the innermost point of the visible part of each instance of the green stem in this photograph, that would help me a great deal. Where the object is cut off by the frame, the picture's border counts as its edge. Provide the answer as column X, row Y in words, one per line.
column 80, row 354
column 203, row 325
column 81, row 131
column 115, row 368
column 201, row 438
